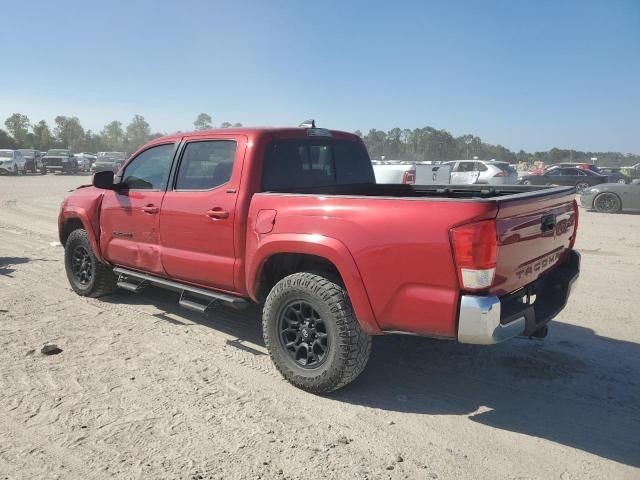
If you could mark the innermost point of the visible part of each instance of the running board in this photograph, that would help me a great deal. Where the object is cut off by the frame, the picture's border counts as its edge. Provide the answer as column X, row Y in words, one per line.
column 193, row 298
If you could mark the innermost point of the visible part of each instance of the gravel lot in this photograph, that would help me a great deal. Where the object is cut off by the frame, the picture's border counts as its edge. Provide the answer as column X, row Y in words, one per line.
column 144, row 389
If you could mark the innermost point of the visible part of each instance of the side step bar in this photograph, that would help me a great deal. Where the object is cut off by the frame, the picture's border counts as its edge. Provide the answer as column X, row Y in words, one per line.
column 193, row 298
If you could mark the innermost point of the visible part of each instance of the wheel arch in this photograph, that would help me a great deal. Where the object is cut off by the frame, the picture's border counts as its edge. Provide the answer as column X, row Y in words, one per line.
column 77, row 219
column 279, row 255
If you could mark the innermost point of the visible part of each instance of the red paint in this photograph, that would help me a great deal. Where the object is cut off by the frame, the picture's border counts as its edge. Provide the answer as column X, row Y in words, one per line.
column 394, row 255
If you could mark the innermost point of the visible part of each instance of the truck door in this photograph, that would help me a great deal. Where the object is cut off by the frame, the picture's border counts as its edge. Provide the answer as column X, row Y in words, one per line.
column 198, row 215
column 129, row 217
column 464, row 173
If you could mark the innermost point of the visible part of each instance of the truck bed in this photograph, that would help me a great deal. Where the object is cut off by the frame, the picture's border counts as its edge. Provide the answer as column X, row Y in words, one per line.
column 390, row 190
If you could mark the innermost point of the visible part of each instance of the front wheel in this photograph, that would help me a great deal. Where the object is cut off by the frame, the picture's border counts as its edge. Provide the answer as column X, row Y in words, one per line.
column 312, row 334
column 87, row 276
column 526, row 182
column 622, row 181
column 607, row 203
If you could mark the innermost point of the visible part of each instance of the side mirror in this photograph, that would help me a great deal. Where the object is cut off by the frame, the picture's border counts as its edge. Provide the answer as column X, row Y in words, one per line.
column 103, row 180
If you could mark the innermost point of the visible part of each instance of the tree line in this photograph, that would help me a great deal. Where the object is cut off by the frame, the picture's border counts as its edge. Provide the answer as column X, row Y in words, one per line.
column 67, row 132
column 430, row 144
column 419, row 144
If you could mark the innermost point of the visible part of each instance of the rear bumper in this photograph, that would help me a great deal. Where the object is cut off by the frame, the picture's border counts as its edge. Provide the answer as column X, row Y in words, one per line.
column 490, row 319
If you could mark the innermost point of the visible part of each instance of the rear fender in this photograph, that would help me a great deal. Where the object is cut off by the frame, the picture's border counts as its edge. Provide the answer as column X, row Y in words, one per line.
column 326, row 247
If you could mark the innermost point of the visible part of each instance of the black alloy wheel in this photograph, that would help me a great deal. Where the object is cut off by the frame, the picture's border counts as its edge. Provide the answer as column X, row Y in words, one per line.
column 82, row 265
column 303, row 334
column 607, row 203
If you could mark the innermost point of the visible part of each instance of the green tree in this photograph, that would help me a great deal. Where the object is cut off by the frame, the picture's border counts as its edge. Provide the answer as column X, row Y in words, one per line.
column 43, row 140
column 68, row 131
column 226, row 125
column 6, row 140
column 203, row 122
column 18, row 126
column 113, row 137
column 237, row 125
column 138, row 132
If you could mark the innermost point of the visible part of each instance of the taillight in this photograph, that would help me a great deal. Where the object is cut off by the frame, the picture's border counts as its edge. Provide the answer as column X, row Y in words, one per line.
column 500, row 174
column 475, row 247
column 576, row 216
column 409, row 176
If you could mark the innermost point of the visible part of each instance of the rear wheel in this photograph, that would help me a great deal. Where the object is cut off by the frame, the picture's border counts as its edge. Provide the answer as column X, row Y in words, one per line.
column 607, row 203
column 87, row 276
column 621, row 181
column 581, row 186
column 526, row 182
column 312, row 334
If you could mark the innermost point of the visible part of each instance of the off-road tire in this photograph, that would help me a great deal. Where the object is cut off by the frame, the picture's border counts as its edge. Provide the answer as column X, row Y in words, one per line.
column 103, row 280
column 349, row 345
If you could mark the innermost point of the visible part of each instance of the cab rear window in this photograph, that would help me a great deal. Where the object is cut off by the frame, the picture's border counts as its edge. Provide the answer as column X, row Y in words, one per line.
column 291, row 164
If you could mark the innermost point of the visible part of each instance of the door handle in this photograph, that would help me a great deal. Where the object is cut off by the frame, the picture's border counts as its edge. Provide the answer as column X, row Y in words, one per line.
column 150, row 208
column 217, row 213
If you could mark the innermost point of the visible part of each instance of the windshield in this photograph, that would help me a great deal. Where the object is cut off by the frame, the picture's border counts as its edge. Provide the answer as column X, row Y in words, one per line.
column 6, row 153
column 27, row 153
column 58, row 152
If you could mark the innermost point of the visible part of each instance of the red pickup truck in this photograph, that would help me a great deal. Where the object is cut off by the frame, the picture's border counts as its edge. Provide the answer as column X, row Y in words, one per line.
column 292, row 218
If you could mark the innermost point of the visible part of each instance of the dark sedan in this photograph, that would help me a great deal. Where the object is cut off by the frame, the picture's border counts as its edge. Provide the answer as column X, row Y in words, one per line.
column 614, row 174
column 570, row 177
column 612, row 197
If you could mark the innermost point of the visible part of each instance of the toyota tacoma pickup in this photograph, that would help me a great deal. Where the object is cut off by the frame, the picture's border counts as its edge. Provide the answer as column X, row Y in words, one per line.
column 292, row 218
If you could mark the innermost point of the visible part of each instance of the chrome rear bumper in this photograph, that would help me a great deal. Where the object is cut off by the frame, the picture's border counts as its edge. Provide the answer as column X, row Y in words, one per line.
column 486, row 320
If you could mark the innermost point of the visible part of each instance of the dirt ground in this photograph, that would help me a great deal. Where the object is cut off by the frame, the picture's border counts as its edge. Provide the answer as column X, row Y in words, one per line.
column 144, row 389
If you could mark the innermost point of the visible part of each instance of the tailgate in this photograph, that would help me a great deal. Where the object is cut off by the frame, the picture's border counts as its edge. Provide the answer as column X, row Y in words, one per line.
column 535, row 232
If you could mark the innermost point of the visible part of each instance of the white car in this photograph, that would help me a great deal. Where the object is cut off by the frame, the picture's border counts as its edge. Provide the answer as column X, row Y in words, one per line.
column 491, row 172
column 12, row 162
column 85, row 161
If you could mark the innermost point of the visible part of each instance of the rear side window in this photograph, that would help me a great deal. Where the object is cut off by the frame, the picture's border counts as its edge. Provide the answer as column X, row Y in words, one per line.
column 206, row 165
column 465, row 167
column 311, row 163
column 505, row 167
column 481, row 167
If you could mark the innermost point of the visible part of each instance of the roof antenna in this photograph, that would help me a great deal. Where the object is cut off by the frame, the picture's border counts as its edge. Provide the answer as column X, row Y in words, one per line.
column 311, row 123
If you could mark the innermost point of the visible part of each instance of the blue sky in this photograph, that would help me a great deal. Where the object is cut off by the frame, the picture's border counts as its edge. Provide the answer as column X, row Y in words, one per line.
column 526, row 74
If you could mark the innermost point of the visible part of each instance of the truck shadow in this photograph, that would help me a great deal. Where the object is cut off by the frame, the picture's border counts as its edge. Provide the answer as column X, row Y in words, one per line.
column 574, row 388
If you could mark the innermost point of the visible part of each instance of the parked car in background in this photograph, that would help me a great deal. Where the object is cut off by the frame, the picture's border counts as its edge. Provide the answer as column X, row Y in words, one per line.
column 583, row 166
column 394, row 171
column 12, row 162
column 614, row 174
column 33, row 159
column 60, row 160
column 85, row 161
column 570, row 177
column 491, row 172
column 411, row 173
column 109, row 161
column 631, row 172
column 612, row 197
